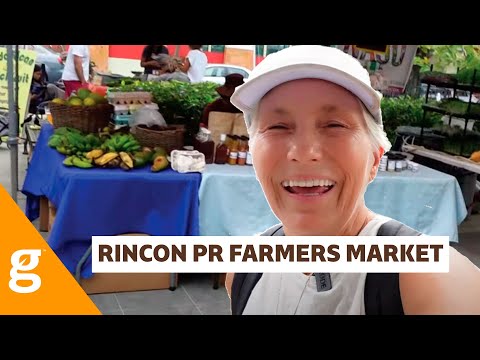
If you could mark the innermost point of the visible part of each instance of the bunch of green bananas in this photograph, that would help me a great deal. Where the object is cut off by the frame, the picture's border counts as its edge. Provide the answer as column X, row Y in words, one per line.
column 78, row 161
column 121, row 142
column 71, row 141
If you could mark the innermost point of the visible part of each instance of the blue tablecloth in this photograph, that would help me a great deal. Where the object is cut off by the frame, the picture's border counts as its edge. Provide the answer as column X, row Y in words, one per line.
column 107, row 202
column 232, row 201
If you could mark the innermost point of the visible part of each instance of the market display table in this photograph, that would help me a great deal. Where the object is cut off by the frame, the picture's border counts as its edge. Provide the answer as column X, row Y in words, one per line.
column 454, row 160
column 107, row 202
column 232, row 201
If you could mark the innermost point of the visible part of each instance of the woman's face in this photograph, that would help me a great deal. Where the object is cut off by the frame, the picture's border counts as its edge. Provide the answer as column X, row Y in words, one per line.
column 313, row 155
column 37, row 75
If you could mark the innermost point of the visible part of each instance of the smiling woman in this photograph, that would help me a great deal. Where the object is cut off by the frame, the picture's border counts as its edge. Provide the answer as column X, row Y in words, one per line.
column 316, row 131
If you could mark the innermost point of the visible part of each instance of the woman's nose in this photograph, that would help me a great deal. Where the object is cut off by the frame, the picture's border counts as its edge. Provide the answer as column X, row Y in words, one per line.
column 305, row 146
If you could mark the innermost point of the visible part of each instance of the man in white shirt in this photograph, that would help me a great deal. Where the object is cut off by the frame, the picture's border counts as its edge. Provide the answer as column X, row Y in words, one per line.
column 77, row 68
column 195, row 63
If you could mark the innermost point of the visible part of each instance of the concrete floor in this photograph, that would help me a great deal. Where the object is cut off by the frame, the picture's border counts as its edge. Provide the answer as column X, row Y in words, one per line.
column 195, row 294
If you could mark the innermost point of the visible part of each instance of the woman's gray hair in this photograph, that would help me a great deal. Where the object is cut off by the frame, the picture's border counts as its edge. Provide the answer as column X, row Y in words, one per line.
column 377, row 134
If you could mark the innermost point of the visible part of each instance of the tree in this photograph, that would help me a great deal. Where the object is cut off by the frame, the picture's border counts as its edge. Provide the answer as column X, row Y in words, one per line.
column 448, row 58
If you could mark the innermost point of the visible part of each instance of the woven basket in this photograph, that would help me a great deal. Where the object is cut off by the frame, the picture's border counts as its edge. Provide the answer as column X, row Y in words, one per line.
column 170, row 139
column 87, row 119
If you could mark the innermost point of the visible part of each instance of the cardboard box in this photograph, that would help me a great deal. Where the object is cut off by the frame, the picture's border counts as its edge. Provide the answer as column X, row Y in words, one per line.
column 114, row 282
column 226, row 123
column 125, row 282
column 111, row 282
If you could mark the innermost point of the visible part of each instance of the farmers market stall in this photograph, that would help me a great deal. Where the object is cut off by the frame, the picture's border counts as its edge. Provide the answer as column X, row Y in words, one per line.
column 232, row 201
column 224, row 200
column 105, row 174
column 99, row 201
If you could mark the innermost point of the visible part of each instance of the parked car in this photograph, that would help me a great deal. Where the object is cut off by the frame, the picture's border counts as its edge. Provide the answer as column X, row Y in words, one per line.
column 54, row 62
column 216, row 72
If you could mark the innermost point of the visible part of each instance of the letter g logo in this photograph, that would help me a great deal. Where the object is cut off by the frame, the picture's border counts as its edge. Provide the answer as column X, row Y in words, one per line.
column 34, row 256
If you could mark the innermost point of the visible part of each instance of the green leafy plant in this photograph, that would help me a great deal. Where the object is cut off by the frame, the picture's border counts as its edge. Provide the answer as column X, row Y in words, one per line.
column 178, row 102
column 405, row 111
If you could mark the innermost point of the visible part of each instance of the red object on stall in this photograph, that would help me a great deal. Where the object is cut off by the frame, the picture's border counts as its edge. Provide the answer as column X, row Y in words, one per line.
column 101, row 90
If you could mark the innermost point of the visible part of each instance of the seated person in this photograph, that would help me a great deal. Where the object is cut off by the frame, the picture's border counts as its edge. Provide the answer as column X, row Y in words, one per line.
column 41, row 91
column 170, row 70
column 223, row 104
column 149, row 58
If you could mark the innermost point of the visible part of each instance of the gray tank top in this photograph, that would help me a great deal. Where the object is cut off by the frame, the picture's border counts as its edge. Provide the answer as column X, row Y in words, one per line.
column 296, row 293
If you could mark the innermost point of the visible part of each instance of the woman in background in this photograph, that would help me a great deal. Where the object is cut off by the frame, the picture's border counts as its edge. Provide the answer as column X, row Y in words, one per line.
column 150, row 56
column 195, row 63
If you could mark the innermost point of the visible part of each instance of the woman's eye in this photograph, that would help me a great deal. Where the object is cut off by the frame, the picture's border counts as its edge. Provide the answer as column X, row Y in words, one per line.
column 335, row 125
column 277, row 126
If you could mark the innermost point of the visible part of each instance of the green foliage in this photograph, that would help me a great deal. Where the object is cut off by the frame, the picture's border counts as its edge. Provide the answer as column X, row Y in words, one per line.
column 405, row 111
column 178, row 102
column 176, row 98
column 459, row 107
column 448, row 58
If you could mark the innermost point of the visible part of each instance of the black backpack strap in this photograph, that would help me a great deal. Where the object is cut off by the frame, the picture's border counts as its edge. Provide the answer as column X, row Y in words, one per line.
column 396, row 228
column 382, row 290
column 382, row 294
column 275, row 230
column 243, row 283
column 242, row 287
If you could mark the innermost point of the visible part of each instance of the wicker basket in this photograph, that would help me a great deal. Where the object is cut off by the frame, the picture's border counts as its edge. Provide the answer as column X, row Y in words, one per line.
column 87, row 119
column 170, row 139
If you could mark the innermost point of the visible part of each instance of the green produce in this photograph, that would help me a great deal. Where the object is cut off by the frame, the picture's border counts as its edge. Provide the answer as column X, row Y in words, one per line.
column 81, row 163
column 159, row 163
column 121, row 142
column 68, row 161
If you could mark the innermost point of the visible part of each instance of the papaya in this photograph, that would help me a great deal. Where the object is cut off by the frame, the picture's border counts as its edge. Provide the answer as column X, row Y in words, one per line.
column 159, row 163
column 475, row 156
column 140, row 159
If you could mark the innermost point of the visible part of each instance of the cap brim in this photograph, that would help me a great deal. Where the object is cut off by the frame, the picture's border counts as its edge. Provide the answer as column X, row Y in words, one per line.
column 249, row 94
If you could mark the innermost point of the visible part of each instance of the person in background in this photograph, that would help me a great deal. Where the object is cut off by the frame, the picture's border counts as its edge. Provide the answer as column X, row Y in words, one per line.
column 77, row 68
column 170, row 70
column 195, row 63
column 41, row 91
column 150, row 55
column 223, row 103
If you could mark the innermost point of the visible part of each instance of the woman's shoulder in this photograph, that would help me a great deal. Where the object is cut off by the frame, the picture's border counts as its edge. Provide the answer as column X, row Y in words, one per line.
column 372, row 227
column 454, row 292
column 275, row 230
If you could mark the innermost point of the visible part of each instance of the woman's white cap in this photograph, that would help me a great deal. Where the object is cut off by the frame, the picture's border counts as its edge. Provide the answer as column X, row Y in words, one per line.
column 308, row 61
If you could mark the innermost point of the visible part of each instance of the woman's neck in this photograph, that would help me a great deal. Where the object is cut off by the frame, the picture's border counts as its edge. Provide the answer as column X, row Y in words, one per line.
column 352, row 227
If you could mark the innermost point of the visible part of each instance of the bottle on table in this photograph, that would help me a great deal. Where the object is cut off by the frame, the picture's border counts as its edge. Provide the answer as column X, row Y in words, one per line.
column 221, row 153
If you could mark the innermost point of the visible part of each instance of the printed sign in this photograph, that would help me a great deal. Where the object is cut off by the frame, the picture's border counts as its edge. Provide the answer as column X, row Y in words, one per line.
column 390, row 69
column 26, row 62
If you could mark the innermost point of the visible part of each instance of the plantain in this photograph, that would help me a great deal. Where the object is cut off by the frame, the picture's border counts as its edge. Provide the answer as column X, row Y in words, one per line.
column 68, row 161
column 94, row 154
column 126, row 159
column 63, row 150
column 106, row 158
column 113, row 163
column 124, row 166
column 78, row 162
